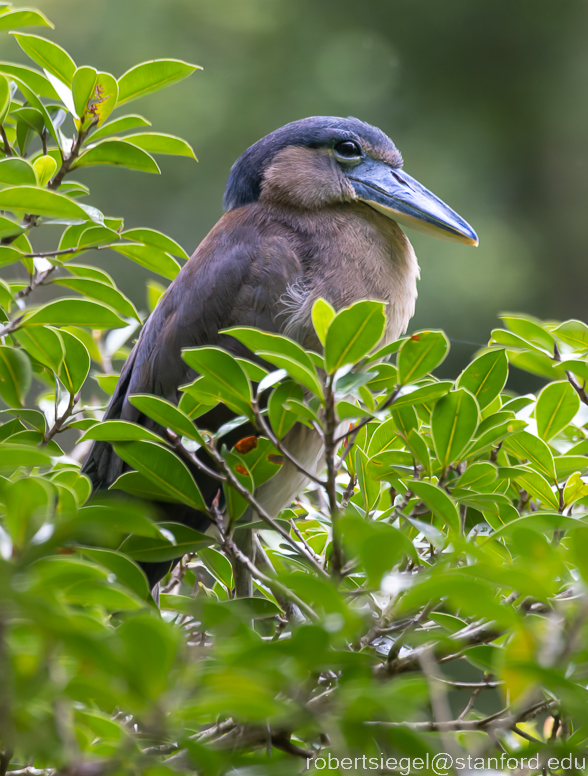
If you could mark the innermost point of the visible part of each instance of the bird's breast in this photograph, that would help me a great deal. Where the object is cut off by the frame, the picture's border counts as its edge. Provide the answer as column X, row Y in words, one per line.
column 353, row 253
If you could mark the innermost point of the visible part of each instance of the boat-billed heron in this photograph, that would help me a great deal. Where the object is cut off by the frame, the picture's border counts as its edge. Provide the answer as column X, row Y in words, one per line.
column 313, row 210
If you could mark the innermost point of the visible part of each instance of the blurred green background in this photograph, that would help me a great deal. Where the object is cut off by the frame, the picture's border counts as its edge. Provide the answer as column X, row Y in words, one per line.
column 487, row 101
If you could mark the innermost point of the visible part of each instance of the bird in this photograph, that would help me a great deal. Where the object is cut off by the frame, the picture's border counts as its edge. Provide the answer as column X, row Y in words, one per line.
column 313, row 209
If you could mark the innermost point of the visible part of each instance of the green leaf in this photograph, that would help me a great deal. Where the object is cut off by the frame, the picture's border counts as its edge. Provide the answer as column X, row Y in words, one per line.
column 17, row 172
column 438, row 501
column 282, row 352
column 15, row 376
column 5, row 98
column 390, row 463
column 527, row 447
column 41, row 202
column 155, row 291
column 453, row 423
column 121, row 124
column 556, row 407
column 218, row 565
column 12, row 456
column 157, row 240
column 151, row 76
column 159, row 143
column 119, row 153
column 369, row 487
column 106, row 382
column 119, row 431
column 105, row 97
column 103, row 292
column 43, row 344
column 48, row 55
column 353, row 333
column 33, row 79
column 166, row 414
column 574, row 333
column 76, row 363
column 282, row 419
column 150, row 257
column 142, row 487
column 575, row 489
column 75, row 312
column 531, row 330
column 477, row 476
column 45, row 168
column 539, row 488
column 486, row 376
column 127, row 572
column 82, row 87
column 226, row 375
column 149, row 550
column 97, row 235
column 322, row 315
column 121, row 516
column 32, row 417
column 420, row 354
column 23, row 17
column 165, row 469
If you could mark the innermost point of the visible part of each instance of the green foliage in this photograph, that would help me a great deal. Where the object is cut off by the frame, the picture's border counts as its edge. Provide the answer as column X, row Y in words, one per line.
column 445, row 538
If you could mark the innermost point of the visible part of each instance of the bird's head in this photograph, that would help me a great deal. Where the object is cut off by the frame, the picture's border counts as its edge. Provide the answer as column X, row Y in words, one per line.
column 321, row 161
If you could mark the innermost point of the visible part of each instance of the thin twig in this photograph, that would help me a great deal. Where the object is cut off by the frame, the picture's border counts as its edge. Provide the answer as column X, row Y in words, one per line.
column 7, row 149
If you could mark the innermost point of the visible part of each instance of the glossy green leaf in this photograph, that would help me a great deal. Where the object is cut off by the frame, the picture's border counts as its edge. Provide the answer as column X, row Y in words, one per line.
column 539, row 488
column 166, row 414
column 282, row 352
column 574, row 333
column 45, row 169
column 76, row 363
column 353, row 333
column 150, row 77
column 23, row 17
column 151, row 258
column 369, row 487
column 322, row 315
column 15, row 376
column 159, row 143
column 121, row 124
column 454, row 422
column 148, row 550
column 420, row 354
column 42, row 202
column 17, row 172
column 225, row 373
column 137, row 485
column 486, row 376
column 556, row 406
column 218, row 565
column 164, row 467
column 103, row 292
column 105, row 97
column 157, row 240
column 530, row 448
column 12, row 456
column 118, row 153
column 438, row 501
column 43, row 344
column 4, row 98
column 48, row 55
column 119, row 431
column 282, row 419
column 575, row 489
column 75, row 312
column 32, row 78
column 127, row 572
column 82, row 88
column 531, row 330
column 97, row 235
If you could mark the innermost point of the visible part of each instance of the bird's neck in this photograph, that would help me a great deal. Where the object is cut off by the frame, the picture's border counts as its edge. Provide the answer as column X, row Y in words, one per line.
column 350, row 252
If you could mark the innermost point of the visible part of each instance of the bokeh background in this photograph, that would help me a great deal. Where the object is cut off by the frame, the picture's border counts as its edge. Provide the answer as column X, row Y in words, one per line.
column 487, row 100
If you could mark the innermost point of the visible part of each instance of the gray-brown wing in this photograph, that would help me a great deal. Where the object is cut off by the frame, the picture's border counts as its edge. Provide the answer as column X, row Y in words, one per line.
column 235, row 278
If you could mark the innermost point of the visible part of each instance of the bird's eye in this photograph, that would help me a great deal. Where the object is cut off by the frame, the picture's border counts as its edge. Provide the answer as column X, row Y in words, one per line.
column 347, row 149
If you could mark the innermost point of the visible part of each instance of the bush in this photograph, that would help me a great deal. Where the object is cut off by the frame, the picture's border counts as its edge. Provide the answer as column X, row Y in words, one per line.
column 426, row 594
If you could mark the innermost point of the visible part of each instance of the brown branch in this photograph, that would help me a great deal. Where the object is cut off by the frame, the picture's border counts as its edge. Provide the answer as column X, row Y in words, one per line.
column 232, row 480
column 38, row 280
column 69, row 160
column 7, row 149
column 277, row 443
